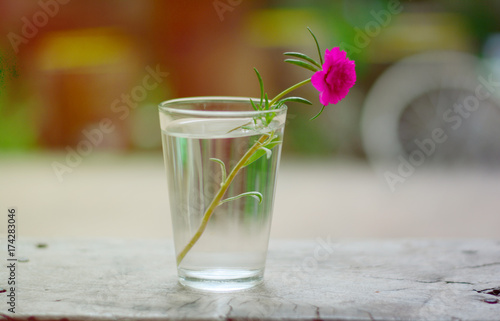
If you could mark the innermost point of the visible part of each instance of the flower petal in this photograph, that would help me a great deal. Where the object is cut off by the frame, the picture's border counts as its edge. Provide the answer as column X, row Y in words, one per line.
column 337, row 76
column 318, row 80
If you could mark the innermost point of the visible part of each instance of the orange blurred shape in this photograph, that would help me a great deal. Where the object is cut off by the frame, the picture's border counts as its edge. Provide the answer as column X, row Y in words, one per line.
column 80, row 73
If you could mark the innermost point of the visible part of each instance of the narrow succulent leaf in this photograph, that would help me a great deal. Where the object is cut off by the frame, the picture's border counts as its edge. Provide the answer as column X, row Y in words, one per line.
column 269, row 118
column 302, row 56
column 317, row 46
column 222, row 167
column 269, row 139
column 302, row 64
column 266, row 101
column 269, row 153
column 244, row 126
column 258, row 154
column 261, row 84
column 296, row 100
column 273, row 143
column 317, row 115
column 278, row 104
column 261, row 152
column 253, row 105
column 258, row 196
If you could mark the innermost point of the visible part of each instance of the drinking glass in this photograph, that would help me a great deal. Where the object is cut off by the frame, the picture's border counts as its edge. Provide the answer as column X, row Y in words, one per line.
column 221, row 158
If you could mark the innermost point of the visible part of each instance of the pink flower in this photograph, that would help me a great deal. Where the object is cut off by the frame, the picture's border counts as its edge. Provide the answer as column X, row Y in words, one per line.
column 336, row 78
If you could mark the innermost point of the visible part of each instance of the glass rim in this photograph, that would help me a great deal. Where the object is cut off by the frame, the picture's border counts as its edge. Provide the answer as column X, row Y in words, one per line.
column 169, row 106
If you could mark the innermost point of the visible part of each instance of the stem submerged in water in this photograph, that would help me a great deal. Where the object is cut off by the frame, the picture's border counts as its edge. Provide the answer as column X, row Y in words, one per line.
column 218, row 197
column 225, row 185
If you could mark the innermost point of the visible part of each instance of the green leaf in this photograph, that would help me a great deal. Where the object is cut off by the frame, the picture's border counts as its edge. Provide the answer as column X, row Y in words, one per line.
column 244, row 126
column 261, row 152
column 222, row 167
column 266, row 101
column 317, row 46
column 270, row 117
column 317, row 115
column 296, row 100
column 302, row 56
column 261, row 84
column 253, row 104
column 258, row 196
column 302, row 64
column 269, row 153
column 278, row 105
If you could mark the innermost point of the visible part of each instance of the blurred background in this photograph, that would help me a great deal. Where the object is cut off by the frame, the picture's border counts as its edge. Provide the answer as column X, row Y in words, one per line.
column 413, row 151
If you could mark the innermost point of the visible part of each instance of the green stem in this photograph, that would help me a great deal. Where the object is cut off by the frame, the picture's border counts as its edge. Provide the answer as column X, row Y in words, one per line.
column 286, row 91
column 218, row 197
column 225, row 185
column 317, row 115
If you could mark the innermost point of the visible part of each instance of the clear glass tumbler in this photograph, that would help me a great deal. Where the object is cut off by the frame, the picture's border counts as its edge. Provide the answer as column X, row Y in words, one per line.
column 221, row 158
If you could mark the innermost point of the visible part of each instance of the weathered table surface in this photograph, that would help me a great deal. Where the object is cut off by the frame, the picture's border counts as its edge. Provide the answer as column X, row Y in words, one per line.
column 319, row 279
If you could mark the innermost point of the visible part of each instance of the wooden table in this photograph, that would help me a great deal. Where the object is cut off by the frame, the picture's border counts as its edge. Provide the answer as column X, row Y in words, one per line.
column 368, row 279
